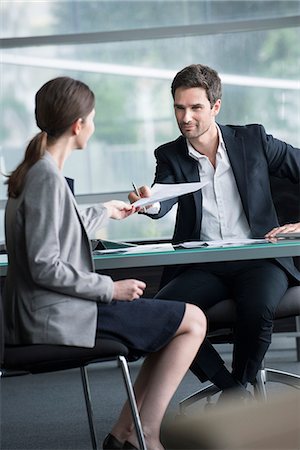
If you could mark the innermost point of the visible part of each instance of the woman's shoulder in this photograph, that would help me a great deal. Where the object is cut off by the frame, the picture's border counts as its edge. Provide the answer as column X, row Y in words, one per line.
column 45, row 165
column 44, row 173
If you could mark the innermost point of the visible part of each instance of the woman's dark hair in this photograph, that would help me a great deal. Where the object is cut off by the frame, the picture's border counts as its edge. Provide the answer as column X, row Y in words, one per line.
column 197, row 75
column 58, row 104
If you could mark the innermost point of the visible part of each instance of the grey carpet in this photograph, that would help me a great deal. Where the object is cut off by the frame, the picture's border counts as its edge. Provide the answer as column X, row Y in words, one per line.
column 47, row 412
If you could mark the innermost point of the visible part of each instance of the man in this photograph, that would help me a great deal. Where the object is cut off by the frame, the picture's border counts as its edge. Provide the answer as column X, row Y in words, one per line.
column 236, row 161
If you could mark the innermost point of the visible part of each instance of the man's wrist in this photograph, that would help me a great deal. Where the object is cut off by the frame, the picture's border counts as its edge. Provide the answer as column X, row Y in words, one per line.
column 153, row 209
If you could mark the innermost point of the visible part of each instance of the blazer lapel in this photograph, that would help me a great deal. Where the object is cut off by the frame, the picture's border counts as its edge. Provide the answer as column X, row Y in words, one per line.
column 190, row 170
column 189, row 166
column 236, row 152
column 72, row 198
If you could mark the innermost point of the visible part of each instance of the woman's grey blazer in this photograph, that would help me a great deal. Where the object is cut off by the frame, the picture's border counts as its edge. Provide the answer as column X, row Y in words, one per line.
column 51, row 291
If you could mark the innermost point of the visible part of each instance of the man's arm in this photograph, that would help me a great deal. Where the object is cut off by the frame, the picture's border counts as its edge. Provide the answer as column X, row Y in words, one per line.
column 288, row 228
column 283, row 158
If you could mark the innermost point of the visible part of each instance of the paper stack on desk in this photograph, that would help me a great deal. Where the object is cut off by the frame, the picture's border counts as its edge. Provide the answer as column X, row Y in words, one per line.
column 223, row 243
column 161, row 192
column 142, row 248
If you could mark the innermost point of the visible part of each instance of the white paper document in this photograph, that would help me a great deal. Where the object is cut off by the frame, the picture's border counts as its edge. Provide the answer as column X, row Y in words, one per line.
column 223, row 243
column 143, row 248
column 161, row 192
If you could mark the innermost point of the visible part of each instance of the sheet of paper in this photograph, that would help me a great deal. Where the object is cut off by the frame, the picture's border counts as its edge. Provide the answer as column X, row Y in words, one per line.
column 223, row 243
column 161, row 192
column 143, row 248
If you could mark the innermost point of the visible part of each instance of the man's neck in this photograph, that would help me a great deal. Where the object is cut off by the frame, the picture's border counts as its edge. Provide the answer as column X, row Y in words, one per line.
column 207, row 144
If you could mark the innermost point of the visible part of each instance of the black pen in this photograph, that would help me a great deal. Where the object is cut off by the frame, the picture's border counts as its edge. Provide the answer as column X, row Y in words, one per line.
column 137, row 192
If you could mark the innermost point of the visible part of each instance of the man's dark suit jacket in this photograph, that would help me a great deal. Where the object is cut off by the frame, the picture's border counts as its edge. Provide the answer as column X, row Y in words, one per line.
column 254, row 157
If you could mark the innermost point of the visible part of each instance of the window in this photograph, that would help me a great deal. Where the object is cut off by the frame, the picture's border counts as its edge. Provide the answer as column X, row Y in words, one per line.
column 128, row 52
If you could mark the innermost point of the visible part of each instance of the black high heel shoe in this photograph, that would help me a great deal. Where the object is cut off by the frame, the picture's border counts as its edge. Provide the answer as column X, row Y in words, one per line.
column 111, row 443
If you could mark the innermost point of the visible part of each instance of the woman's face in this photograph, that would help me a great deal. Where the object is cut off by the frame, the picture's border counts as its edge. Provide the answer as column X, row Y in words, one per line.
column 87, row 130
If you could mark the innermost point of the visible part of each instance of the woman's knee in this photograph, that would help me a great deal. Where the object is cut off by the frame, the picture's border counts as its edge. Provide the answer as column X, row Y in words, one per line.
column 195, row 320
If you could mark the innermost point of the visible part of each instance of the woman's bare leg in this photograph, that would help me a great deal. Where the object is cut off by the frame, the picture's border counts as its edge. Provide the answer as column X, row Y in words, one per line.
column 159, row 378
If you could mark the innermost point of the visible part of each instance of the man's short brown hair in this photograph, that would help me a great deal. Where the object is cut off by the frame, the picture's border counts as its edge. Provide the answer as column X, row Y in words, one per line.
column 198, row 75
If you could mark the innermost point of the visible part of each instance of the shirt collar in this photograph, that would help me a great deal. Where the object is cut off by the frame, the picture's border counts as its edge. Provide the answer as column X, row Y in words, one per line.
column 221, row 148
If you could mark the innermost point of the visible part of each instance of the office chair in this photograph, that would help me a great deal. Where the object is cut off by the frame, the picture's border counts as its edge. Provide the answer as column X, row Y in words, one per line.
column 222, row 316
column 40, row 358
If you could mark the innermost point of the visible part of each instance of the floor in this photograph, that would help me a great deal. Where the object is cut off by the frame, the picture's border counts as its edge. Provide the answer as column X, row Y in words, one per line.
column 46, row 412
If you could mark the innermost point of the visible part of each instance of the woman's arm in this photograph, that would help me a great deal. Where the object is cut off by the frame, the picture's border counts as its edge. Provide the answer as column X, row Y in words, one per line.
column 95, row 217
column 57, row 257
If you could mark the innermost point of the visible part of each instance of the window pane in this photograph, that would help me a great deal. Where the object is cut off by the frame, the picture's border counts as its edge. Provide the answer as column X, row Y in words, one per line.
column 131, row 80
column 34, row 18
column 134, row 106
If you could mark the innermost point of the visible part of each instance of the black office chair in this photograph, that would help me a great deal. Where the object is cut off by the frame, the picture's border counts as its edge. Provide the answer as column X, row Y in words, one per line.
column 222, row 317
column 37, row 359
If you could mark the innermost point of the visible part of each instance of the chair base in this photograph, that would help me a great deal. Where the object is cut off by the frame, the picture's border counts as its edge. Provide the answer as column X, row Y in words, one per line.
column 132, row 402
column 264, row 375
column 122, row 363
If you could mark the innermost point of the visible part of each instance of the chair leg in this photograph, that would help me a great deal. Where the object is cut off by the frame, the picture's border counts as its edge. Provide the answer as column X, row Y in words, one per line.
column 132, row 402
column 207, row 391
column 298, row 338
column 278, row 376
column 88, row 404
column 260, row 385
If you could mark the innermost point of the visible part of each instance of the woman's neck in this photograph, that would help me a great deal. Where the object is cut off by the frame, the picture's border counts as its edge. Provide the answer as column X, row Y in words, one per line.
column 60, row 151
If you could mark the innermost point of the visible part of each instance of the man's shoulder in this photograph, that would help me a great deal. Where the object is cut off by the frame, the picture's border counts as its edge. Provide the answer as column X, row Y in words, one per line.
column 251, row 128
column 177, row 143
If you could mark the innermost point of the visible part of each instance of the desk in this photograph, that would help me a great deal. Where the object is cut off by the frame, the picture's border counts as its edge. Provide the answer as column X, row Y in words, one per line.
column 197, row 255
column 188, row 256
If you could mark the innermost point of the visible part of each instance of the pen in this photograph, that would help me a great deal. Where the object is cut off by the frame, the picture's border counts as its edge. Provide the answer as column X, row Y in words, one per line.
column 136, row 189
column 137, row 192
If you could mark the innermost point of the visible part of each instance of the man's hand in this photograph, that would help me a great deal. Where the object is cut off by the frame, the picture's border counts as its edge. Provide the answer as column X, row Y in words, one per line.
column 128, row 289
column 118, row 209
column 288, row 228
column 144, row 192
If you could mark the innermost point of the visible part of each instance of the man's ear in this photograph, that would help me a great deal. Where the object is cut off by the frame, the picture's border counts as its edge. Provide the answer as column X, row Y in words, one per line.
column 76, row 127
column 217, row 106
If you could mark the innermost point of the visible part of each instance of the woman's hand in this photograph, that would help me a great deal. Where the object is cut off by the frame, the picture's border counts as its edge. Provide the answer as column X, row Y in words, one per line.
column 128, row 289
column 118, row 209
column 288, row 228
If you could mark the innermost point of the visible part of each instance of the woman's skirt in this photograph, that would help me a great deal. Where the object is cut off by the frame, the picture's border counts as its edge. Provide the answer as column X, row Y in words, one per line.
column 143, row 325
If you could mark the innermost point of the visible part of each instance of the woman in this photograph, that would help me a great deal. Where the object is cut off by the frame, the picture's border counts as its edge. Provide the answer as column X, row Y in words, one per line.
column 53, row 295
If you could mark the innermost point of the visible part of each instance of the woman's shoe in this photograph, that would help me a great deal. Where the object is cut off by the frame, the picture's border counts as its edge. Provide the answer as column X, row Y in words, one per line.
column 111, row 443
column 129, row 446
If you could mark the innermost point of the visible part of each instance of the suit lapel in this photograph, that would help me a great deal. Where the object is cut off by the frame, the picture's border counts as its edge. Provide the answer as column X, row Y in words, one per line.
column 190, row 170
column 86, row 237
column 235, row 148
column 189, row 166
column 70, row 195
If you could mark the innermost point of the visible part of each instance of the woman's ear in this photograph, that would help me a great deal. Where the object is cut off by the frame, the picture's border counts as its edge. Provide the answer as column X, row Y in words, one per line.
column 76, row 127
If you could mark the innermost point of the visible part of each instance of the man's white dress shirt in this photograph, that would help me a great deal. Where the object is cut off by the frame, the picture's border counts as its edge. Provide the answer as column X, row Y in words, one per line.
column 223, row 215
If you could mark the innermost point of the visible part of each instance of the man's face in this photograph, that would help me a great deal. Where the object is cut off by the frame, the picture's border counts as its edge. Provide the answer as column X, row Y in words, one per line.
column 193, row 112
